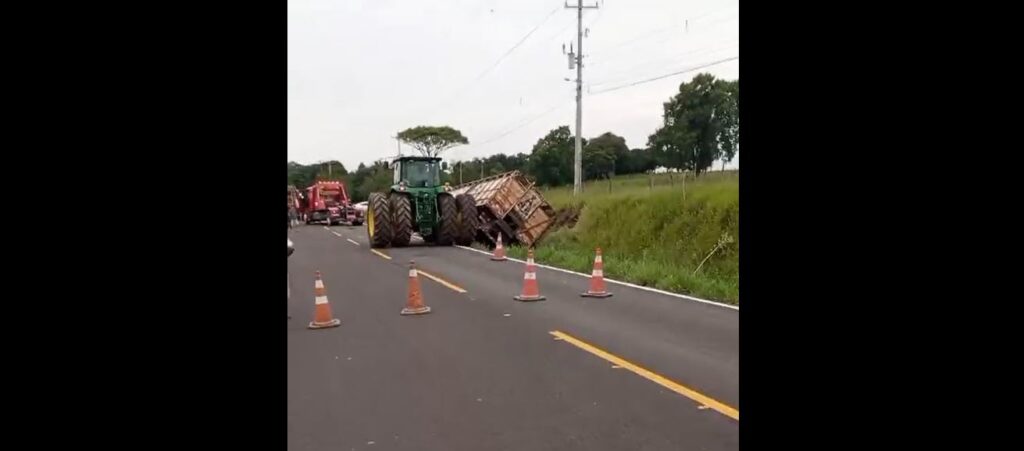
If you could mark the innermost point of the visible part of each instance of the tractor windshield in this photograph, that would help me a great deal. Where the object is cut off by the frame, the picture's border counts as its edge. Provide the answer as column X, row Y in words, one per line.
column 421, row 174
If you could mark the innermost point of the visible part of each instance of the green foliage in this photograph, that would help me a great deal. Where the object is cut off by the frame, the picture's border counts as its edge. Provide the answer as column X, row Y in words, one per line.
column 494, row 164
column 302, row 176
column 431, row 141
column 701, row 125
column 603, row 155
column 368, row 179
column 551, row 161
column 653, row 237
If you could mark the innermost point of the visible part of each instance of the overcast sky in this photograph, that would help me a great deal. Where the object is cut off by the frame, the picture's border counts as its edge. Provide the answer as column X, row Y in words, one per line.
column 361, row 70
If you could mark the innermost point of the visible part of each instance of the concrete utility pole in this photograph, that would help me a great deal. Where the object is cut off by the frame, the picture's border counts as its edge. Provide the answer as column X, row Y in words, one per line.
column 577, row 184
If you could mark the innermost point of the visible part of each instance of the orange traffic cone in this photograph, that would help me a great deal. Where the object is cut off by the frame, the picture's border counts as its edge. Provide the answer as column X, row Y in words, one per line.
column 415, row 304
column 530, row 290
column 323, row 318
column 499, row 251
column 597, row 289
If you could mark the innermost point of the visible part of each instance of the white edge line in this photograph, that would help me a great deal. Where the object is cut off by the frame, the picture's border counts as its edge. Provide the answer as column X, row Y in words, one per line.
column 640, row 287
column 336, row 233
column 350, row 241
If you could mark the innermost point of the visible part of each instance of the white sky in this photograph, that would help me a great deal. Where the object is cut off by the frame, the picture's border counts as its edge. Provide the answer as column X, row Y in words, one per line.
column 359, row 71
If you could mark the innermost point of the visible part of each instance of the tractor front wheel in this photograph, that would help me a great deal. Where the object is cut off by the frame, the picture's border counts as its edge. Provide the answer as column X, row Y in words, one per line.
column 468, row 219
column 401, row 217
column 378, row 220
column 447, row 226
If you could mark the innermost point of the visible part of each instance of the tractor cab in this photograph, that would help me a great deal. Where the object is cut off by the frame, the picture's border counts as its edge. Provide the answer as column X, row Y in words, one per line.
column 417, row 172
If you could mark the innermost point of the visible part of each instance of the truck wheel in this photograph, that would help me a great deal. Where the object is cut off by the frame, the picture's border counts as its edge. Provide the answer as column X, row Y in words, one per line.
column 447, row 225
column 401, row 220
column 468, row 218
column 378, row 220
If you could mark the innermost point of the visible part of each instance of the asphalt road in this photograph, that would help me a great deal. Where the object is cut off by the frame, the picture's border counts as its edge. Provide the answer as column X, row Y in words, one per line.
column 485, row 372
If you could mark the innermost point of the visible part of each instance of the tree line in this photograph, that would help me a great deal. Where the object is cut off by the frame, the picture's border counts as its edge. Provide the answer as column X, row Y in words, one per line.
column 700, row 125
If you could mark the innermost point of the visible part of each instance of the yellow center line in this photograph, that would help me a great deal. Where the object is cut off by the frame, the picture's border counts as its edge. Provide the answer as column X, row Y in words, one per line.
column 375, row 251
column 650, row 375
column 441, row 281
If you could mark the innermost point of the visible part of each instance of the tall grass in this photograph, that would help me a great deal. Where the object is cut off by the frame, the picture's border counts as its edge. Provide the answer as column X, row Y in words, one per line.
column 652, row 237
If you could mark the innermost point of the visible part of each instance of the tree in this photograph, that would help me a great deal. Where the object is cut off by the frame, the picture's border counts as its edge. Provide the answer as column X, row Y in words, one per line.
column 492, row 165
column 701, row 125
column 551, row 160
column 604, row 156
column 431, row 141
column 332, row 169
column 639, row 161
column 368, row 179
column 730, row 138
column 303, row 175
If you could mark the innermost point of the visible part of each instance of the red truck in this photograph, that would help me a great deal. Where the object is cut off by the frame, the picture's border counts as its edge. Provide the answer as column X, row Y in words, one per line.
column 327, row 201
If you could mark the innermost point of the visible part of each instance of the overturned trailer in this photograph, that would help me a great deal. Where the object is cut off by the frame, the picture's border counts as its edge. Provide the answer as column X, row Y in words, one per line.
column 511, row 205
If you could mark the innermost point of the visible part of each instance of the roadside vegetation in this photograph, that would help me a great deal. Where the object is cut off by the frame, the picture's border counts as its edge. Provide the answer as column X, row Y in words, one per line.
column 653, row 236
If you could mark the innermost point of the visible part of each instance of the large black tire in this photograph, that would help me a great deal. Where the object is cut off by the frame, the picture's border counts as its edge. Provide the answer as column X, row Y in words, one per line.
column 468, row 218
column 447, row 223
column 401, row 220
column 378, row 224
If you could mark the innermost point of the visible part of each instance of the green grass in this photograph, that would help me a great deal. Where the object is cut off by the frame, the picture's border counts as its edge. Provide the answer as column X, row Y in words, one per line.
column 652, row 237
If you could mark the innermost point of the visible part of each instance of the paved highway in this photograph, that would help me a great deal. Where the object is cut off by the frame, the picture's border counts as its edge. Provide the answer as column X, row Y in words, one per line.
column 637, row 371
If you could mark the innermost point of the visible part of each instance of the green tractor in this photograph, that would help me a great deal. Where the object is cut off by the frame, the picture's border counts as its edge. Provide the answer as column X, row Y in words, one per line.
column 417, row 202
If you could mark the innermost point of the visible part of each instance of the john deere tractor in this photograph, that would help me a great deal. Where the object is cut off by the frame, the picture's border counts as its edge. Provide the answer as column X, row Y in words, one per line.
column 417, row 202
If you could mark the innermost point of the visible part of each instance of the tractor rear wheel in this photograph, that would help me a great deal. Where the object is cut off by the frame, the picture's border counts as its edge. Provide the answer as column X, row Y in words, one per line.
column 401, row 220
column 468, row 218
column 378, row 220
column 447, row 225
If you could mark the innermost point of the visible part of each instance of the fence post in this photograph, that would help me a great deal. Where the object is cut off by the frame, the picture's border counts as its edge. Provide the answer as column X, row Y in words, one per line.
column 684, row 185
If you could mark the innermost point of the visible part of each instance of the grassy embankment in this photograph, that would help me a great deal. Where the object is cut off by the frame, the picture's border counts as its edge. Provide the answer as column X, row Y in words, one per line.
column 654, row 237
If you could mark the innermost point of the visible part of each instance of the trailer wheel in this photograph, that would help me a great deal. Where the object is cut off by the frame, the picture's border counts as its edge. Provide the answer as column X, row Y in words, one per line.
column 468, row 219
column 401, row 220
column 378, row 220
column 448, row 225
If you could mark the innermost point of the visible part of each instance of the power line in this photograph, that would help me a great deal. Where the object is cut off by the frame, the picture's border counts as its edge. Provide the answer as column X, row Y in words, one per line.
column 514, row 47
column 631, row 72
column 508, row 52
column 623, row 45
column 640, row 82
column 524, row 124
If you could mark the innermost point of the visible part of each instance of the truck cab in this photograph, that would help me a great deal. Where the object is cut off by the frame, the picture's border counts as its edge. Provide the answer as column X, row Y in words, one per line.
column 328, row 202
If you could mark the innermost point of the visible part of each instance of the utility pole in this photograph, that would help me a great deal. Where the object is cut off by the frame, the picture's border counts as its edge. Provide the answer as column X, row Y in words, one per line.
column 577, row 184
